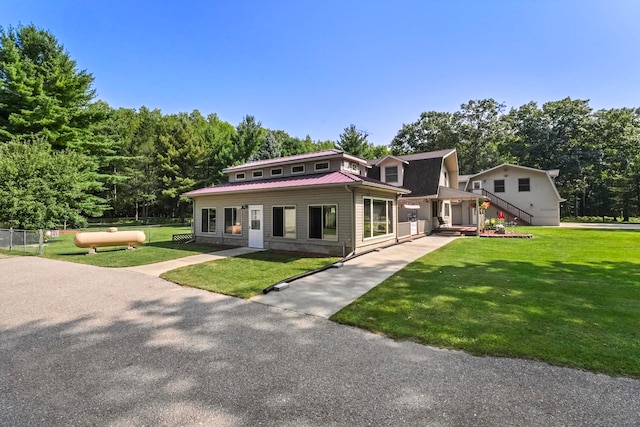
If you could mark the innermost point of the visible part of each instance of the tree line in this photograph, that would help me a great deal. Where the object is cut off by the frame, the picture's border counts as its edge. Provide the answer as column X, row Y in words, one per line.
column 65, row 156
column 597, row 152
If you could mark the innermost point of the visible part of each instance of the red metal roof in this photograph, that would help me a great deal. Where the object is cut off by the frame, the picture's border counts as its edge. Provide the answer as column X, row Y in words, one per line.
column 332, row 178
column 292, row 159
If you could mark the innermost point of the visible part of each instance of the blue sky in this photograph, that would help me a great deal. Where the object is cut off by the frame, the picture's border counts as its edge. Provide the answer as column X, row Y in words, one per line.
column 315, row 67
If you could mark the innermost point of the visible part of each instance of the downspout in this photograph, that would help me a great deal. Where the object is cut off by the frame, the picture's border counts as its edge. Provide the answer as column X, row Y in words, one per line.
column 353, row 223
column 395, row 217
column 193, row 220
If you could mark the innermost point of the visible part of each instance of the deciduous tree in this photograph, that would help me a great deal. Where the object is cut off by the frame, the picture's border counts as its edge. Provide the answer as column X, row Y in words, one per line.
column 43, row 188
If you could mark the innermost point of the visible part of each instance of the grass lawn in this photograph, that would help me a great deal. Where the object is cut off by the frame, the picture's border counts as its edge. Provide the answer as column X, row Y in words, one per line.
column 568, row 297
column 245, row 276
column 159, row 248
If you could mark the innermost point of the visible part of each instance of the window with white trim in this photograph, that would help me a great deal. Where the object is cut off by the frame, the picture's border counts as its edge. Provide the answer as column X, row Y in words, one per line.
column 240, row 176
column 233, row 220
column 284, row 221
column 391, row 174
column 296, row 169
column 323, row 222
column 322, row 166
column 257, row 174
column 524, row 184
column 377, row 217
column 276, row 172
column 208, row 220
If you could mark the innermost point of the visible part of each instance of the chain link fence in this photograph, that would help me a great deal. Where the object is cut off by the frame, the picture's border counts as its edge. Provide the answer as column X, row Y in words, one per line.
column 35, row 241
column 27, row 241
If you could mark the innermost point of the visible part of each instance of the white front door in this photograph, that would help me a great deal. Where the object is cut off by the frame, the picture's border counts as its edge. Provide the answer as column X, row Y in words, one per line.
column 256, row 233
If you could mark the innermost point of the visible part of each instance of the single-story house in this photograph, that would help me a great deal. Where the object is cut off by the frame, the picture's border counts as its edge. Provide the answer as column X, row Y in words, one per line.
column 321, row 202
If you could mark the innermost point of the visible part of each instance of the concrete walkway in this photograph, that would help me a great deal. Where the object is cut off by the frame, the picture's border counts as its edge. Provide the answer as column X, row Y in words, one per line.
column 327, row 292
column 161, row 267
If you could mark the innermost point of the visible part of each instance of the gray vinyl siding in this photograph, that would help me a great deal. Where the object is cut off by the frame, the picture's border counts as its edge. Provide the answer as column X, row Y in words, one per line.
column 309, row 169
column 349, row 217
column 301, row 199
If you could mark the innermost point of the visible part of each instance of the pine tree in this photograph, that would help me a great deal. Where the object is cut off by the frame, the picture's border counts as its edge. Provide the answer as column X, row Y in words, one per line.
column 354, row 141
column 247, row 138
column 270, row 148
column 41, row 90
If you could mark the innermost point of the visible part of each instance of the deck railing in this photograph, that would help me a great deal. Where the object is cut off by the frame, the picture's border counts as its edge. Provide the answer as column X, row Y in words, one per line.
column 519, row 214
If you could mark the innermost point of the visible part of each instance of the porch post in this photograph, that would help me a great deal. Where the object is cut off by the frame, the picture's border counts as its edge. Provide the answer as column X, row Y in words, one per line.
column 477, row 217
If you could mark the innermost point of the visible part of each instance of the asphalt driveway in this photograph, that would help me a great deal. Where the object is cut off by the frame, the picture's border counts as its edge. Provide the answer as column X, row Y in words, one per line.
column 83, row 345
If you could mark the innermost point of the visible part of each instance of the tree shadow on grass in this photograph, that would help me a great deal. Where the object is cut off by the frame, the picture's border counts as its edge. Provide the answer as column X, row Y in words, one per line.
column 116, row 251
column 191, row 247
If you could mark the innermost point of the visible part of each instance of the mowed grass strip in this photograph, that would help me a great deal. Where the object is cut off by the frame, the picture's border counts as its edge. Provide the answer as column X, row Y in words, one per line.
column 245, row 276
column 567, row 297
column 159, row 248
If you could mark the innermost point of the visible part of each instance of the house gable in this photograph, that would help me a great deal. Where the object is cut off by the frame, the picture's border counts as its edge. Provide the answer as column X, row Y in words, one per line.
column 510, row 174
column 421, row 173
column 391, row 170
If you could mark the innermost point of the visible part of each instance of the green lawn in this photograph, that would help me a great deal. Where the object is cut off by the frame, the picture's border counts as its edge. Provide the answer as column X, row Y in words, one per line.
column 157, row 248
column 247, row 275
column 568, row 297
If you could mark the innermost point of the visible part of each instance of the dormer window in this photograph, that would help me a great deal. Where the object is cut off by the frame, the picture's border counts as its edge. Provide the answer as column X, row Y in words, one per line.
column 276, row 172
column 322, row 166
column 297, row 169
column 257, row 174
column 391, row 174
column 240, row 176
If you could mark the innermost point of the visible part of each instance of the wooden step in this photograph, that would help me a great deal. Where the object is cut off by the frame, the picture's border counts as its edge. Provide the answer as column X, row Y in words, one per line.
column 448, row 233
